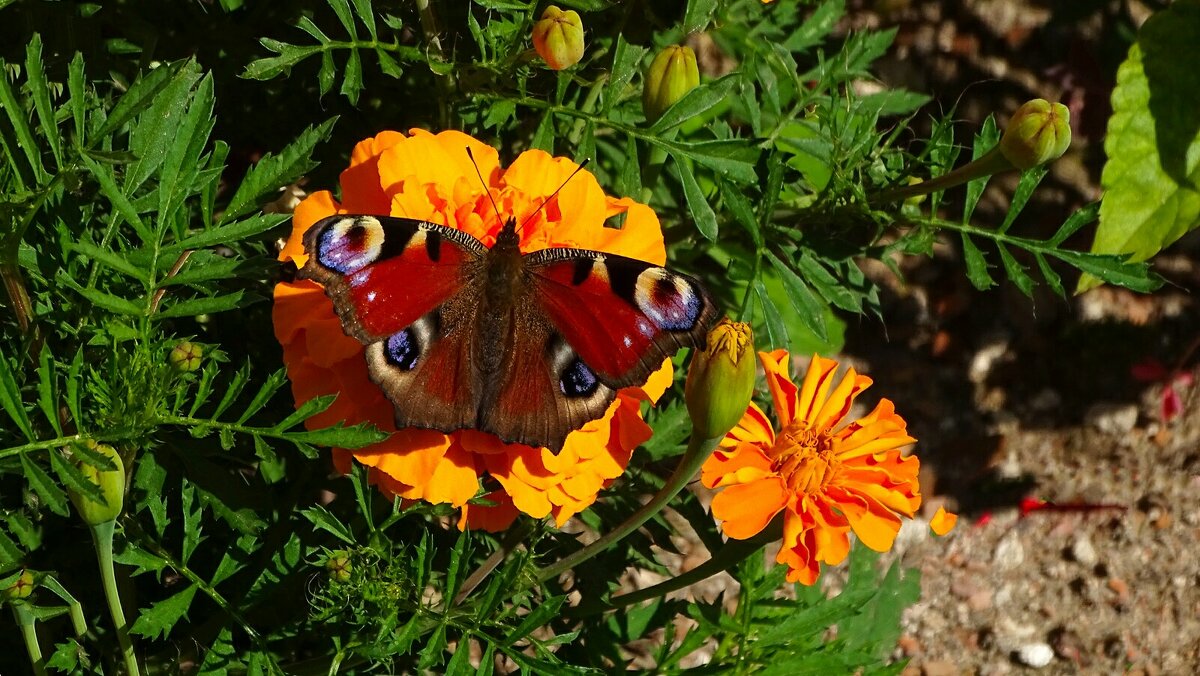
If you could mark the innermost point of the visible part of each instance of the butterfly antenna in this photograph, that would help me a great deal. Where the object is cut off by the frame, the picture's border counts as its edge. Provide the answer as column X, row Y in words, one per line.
column 546, row 201
column 485, row 185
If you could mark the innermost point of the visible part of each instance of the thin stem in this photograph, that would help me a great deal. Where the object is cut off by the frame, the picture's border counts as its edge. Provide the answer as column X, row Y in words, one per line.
column 446, row 83
column 697, row 452
column 18, row 296
column 102, row 538
column 507, row 545
column 991, row 163
column 27, row 622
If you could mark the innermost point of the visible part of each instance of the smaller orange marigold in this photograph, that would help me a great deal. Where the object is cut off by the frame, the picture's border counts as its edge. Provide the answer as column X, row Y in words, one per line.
column 826, row 478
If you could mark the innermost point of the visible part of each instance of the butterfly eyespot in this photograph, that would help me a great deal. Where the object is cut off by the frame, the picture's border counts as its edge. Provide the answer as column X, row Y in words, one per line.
column 578, row 380
column 668, row 300
column 402, row 349
column 350, row 244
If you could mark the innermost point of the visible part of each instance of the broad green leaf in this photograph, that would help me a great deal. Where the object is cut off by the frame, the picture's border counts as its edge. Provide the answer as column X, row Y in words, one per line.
column 706, row 219
column 732, row 159
column 352, row 78
column 1151, row 180
column 325, row 520
column 117, row 197
column 1025, row 187
column 1085, row 216
column 111, row 260
column 157, row 620
column 140, row 96
column 699, row 13
column 1015, row 271
column 272, row 66
column 274, row 171
column 46, row 488
column 818, row 25
column 77, row 90
column 977, row 265
column 157, row 128
column 228, row 234
column 626, row 58
column 985, row 140
column 20, row 124
column 48, row 388
column 341, row 436
column 39, row 90
column 695, row 103
column 1052, row 278
column 810, row 309
column 10, row 398
column 112, row 303
column 1114, row 269
column 204, row 306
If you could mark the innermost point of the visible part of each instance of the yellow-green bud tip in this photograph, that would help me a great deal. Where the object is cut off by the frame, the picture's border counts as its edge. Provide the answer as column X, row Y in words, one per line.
column 338, row 565
column 111, row 483
column 1039, row 132
column 19, row 586
column 721, row 379
column 558, row 38
column 186, row 356
column 672, row 74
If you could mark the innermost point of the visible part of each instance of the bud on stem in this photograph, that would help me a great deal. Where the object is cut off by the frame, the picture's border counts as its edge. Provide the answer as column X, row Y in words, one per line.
column 721, row 380
column 672, row 74
column 558, row 38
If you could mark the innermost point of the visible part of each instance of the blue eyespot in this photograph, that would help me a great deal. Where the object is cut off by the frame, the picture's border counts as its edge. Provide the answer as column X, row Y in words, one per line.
column 578, row 380
column 402, row 350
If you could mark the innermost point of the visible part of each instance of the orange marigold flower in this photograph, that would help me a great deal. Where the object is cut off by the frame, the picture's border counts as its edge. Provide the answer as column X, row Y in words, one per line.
column 826, row 478
column 430, row 177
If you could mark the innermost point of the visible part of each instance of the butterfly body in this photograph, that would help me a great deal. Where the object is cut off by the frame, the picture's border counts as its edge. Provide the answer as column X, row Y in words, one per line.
column 528, row 347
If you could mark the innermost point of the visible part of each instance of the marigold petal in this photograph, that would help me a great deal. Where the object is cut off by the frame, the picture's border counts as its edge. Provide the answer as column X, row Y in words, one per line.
column 795, row 552
column 830, row 529
column 577, row 212
column 415, row 464
column 746, row 463
column 296, row 305
column 779, row 382
column 817, row 381
column 943, row 521
column 874, row 524
column 455, row 479
column 439, row 159
column 640, row 236
column 744, row 510
column 753, row 428
column 658, row 382
column 490, row 518
column 837, row 406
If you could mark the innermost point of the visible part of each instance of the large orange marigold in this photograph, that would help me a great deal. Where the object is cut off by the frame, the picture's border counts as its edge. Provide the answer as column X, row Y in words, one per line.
column 826, row 478
column 430, row 177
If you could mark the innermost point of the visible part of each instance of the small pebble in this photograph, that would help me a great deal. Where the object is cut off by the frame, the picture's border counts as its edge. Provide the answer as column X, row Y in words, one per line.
column 1111, row 418
column 1084, row 552
column 939, row 668
column 1010, row 553
column 1036, row 655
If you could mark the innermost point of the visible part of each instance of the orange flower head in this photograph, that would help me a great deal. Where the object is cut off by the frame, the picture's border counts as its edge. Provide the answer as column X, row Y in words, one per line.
column 827, row 478
column 430, row 177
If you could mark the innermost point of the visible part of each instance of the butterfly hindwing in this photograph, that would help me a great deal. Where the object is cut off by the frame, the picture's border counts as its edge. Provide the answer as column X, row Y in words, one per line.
column 384, row 273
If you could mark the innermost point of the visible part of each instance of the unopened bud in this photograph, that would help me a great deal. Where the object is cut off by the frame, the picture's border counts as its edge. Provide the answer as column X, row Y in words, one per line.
column 672, row 74
column 558, row 38
column 186, row 356
column 1038, row 132
column 338, row 565
column 721, row 379
column 18, row 586
column 111, row 483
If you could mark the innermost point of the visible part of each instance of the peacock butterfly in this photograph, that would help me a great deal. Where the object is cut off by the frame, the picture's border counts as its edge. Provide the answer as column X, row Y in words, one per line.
column 528, row 347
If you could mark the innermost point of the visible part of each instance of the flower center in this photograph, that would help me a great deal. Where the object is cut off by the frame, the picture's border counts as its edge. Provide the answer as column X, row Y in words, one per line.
column 804, row 458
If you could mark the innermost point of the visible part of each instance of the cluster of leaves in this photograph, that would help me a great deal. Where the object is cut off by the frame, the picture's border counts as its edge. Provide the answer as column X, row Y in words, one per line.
column 129, row 228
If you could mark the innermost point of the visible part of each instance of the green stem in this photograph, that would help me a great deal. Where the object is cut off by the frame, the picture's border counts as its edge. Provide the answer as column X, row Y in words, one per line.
column 446, row 84
column 697, row 452
column 27, row 622
column 733, row 553
column 102, row 538
column 509, row 543
column 991, row 163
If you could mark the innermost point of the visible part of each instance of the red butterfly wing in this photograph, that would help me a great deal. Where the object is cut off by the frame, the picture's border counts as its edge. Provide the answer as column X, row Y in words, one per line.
column 622, row 316
column 383, row 274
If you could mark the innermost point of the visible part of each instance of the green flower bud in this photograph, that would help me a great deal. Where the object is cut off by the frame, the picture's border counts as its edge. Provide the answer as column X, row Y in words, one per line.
column 112, row 487
column 721, row 379
column 558, row 38
column 1038, row 132
column 186, row 356
column 19, row 586
column 339, row 567
column 672, row 74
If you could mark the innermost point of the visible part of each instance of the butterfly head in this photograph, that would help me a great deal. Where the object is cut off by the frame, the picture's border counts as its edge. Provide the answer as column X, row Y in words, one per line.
column 508, row 238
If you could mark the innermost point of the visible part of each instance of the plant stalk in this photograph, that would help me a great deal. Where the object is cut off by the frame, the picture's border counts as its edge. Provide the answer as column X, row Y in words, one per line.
column 27, row 622
column 991, row 163
column 102, row 538
column 697, row 452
